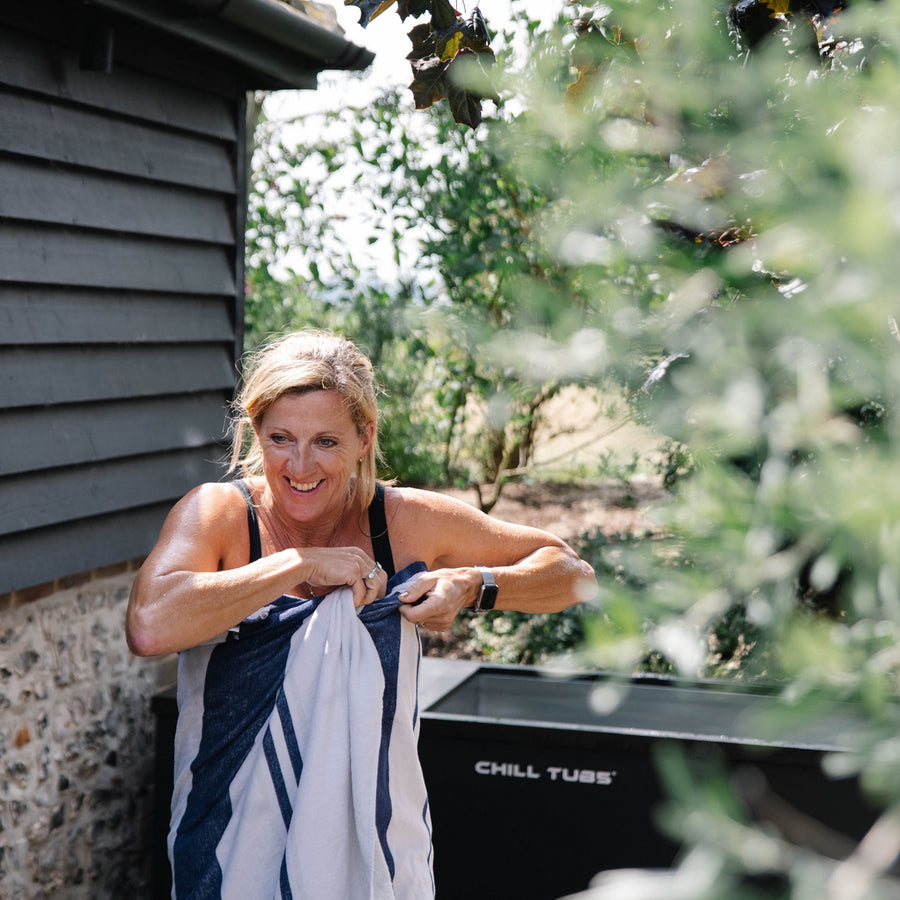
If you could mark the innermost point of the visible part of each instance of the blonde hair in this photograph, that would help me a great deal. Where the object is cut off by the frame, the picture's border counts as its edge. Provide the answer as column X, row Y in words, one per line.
column 306, row 360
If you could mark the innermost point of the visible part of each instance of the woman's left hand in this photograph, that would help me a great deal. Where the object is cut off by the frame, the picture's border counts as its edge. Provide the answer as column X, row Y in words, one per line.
column 434, row 599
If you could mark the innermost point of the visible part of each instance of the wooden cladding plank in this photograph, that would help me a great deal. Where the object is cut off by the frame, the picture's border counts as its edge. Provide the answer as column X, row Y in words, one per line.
column 39, row 191
column 28, row 63
column 36, row 376
column 41, row 555
column 56, row 437
column 34, row 254
column 34, row 501
column 57, row 315
column 37, row 557
column 38, row 127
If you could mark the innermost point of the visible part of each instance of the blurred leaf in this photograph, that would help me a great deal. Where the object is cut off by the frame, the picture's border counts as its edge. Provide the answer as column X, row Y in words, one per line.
column 371, row 9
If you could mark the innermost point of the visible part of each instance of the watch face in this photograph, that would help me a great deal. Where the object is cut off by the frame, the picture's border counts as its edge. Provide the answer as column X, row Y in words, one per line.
column 488, row 596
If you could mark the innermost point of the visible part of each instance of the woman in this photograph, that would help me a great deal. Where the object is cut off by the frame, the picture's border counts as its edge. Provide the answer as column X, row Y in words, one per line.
column 308, row 521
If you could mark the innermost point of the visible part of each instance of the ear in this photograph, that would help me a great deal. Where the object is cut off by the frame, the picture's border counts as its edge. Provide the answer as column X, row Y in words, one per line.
column 367, row 437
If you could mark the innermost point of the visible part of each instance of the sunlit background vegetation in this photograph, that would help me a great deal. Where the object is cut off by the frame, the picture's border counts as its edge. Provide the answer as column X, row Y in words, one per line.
column 701, row 223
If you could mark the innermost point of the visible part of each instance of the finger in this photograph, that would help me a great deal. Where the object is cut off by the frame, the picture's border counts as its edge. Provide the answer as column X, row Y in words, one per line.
column 416, row 590
column 376, row 580
column 362, row 593
column 426, row 609
column 372, row 584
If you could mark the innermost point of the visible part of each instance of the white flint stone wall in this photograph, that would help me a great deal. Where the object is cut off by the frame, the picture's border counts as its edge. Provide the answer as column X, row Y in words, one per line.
column 76, row 748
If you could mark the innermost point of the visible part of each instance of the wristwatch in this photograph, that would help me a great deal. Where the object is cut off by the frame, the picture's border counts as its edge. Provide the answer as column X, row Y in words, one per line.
column 487, row 596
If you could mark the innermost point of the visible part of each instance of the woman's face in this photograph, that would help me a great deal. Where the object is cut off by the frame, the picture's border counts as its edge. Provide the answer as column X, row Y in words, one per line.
column 310, row 449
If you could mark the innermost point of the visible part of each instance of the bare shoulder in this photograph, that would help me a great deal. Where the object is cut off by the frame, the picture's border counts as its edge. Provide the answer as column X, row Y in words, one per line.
column 443, row 530
column 210, row 503
column 208, row 523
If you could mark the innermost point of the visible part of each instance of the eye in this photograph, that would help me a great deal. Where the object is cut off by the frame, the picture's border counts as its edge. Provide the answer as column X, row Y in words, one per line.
column 327, row 442
column 278, row 438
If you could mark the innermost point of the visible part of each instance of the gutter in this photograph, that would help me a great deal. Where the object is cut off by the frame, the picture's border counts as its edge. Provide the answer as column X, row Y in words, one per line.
column 266, row 36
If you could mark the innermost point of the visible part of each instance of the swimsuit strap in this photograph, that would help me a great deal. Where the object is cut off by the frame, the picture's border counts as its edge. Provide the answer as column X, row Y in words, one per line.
column 378, row 529
column 252, row 521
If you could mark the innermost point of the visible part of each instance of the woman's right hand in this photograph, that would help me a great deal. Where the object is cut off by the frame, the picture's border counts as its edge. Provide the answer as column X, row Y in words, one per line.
column 328, row 568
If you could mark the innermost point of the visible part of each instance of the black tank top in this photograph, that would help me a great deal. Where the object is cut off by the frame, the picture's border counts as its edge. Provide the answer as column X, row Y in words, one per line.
column 378, row 529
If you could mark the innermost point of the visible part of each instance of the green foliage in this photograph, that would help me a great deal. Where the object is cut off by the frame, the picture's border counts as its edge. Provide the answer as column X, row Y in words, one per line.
column 705, row 215
column 453, row 259
column 731, row 219
column 715, row 230
column 512, row 637
column 301, row 272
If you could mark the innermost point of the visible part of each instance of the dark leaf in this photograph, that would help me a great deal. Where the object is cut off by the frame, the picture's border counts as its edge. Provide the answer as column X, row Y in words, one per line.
column 464, row 61
column 465, row 107
column 418, row 8
column 369, row 9
column 448, row 43
column 465, row 104
column 443, row 15
column 474, row 27
column 428, row 85
column 422, row 38
column 436, row 45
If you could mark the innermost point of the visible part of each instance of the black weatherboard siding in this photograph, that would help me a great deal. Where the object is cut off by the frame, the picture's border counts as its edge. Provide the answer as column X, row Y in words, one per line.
column 123, row 160
column 121, row 212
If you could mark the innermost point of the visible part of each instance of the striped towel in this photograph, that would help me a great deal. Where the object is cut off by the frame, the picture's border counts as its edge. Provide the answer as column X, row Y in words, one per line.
column 296, row 771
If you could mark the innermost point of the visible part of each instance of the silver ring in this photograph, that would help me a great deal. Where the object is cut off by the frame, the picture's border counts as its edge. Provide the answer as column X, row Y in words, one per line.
column 374, row 572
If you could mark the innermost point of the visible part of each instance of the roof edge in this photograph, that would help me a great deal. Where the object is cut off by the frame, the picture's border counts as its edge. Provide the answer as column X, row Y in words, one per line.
column 266, row 36
column 281, row 23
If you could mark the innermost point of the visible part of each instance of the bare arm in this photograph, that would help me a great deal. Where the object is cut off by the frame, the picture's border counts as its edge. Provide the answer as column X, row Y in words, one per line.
column 534, row 570
column 197, row 583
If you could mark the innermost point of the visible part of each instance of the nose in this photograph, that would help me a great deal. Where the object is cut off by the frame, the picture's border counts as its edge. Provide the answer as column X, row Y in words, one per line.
column 302, row 459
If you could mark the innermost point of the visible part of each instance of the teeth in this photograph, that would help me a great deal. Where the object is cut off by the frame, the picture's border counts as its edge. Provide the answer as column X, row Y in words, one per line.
column 297, row 486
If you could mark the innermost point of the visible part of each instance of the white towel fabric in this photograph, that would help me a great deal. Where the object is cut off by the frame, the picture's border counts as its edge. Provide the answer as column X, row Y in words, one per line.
column 296, row 771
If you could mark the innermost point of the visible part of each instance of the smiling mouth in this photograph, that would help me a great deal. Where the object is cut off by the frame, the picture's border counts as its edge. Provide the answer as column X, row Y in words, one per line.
column 304, row 487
